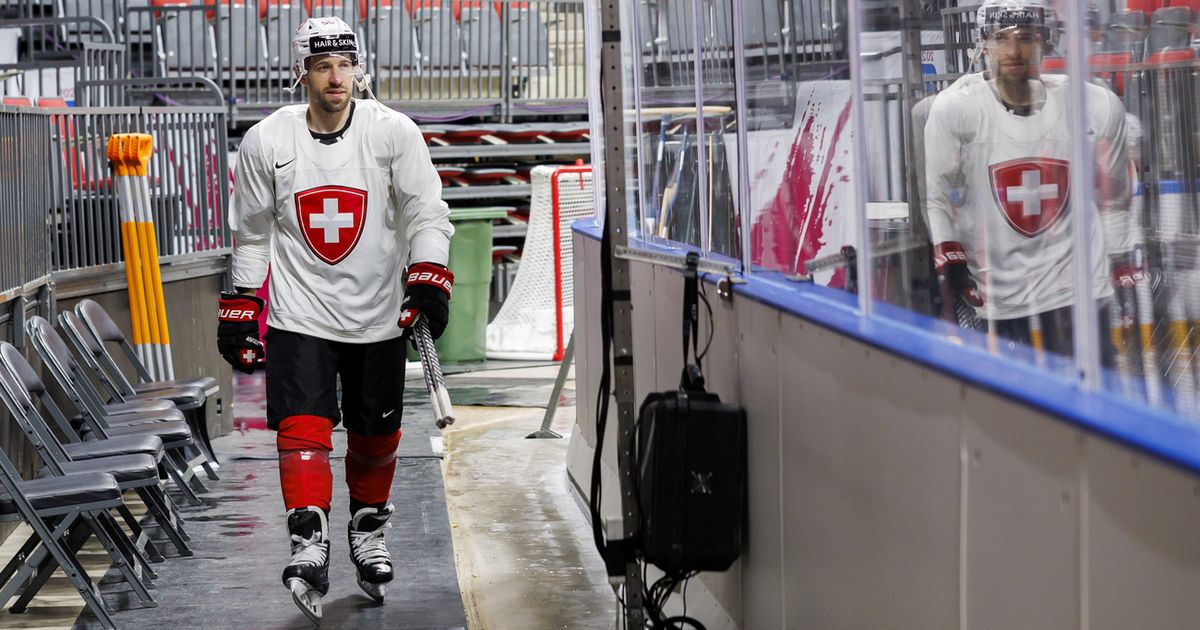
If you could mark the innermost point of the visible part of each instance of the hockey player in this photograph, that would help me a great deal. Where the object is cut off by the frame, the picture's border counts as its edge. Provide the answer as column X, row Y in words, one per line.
column 338, row 196
column 998, row 144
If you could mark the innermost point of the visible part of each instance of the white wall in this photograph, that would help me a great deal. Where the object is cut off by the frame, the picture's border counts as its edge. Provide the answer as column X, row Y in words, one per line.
column 886, row 495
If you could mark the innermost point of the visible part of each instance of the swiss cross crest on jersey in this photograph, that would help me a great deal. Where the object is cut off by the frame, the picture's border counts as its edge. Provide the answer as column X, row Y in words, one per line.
column 331, row 219
column 1031, row 192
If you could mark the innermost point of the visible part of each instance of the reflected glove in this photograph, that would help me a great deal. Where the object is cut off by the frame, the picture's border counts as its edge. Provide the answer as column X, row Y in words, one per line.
column 237, row 330
column 954, row 278
column 427, row 292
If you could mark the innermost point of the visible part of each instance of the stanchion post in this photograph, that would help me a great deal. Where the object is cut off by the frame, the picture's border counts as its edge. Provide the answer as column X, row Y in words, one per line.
column 564, row 368
column 133, row 256
column 139, row 151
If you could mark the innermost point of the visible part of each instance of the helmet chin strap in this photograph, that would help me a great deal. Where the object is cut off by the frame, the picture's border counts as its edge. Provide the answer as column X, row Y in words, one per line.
column 292, row 90
column 362, row 81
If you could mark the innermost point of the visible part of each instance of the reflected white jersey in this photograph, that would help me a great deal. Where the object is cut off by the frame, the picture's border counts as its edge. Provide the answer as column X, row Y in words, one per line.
column 336, row 222
column 1013, row 217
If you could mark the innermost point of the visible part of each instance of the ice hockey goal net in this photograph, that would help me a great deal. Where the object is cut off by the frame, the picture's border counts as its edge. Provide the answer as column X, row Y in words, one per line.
column 537, row 318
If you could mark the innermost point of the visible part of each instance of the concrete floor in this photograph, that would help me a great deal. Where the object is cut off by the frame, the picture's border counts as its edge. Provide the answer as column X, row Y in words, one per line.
column 521, row 545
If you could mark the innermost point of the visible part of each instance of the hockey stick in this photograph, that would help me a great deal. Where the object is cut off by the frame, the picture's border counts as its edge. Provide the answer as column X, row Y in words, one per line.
column 431, row 367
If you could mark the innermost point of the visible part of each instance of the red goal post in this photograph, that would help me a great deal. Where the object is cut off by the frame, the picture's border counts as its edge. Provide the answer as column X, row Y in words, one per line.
column 537, row 317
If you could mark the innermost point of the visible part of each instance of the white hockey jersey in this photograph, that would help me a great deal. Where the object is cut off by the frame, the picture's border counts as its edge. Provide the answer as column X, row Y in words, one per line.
column 336, row 222
column 1013, row 217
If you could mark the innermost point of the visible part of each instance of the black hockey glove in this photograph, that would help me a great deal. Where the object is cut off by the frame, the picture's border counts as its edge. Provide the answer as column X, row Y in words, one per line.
column 237, row 330
column 955, row 281
column 427, row 292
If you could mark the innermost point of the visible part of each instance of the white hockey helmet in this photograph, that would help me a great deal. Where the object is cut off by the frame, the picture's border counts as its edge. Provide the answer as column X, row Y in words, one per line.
column 327, row 36
column 323, row 36
column 999, row 15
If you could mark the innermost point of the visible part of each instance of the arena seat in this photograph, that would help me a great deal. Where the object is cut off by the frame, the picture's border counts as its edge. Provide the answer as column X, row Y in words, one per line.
column 183, row 37
column 17, row 101
column 465, row 134
column 488, row 176
column 439, row 40
column 390, row 36
column 528, row 38
column 327, row 8
column 432, row 132
column 449, row 173
column 517, row 132
column 241, row 45
column 481, row 35
column 1170, row 28
column 1127, row 32
column 111, row 12
column 279, row 19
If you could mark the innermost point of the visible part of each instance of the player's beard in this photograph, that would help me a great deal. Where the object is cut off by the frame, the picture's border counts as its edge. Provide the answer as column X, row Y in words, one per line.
column 1015, row 77
column 331, row 106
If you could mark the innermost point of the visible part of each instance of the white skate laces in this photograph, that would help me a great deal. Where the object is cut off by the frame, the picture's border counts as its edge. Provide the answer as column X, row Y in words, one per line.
column 369, row 548
column 312, row 551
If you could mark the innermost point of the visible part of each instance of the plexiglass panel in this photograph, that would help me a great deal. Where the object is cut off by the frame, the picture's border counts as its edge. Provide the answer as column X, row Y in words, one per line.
column 978, row 214
column 687, row 58
column 799, row 139
column 1144, row 54
column 1027, row 180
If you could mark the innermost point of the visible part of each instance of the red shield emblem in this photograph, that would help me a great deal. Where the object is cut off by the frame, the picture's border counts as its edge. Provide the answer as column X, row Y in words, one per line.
column 331, row 219
column 1031, row 192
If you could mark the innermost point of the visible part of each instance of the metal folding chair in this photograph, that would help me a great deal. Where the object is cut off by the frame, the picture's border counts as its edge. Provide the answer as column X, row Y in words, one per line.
column 102, row 326
column 63, row 512
column 175, row 435
column 189, row 399
column 129, row 470
column 134, row 470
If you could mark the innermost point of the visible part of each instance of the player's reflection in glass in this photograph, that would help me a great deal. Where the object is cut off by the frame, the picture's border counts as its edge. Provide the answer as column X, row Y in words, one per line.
column 997, row 174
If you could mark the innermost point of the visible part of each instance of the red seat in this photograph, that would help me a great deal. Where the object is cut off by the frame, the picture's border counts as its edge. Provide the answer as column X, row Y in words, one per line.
column 18, row 101
column 52, row 101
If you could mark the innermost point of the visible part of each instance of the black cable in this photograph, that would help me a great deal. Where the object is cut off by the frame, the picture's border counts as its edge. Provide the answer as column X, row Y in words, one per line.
column 604, row 391
column 711, row 325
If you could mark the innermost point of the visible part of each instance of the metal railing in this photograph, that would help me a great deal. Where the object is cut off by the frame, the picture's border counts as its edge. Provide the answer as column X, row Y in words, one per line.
column 457, row 58
column 189, row 181
column 58, row 53
column 779, row 36
column 25, row 257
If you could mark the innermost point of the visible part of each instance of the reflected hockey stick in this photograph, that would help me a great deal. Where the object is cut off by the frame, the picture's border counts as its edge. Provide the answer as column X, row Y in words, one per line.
column 431, row 367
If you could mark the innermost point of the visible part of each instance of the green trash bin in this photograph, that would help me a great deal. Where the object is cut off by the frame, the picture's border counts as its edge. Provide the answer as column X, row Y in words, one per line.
column 465, row 338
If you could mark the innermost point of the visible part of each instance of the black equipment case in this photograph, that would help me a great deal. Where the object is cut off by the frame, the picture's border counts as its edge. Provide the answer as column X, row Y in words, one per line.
column 691, row 472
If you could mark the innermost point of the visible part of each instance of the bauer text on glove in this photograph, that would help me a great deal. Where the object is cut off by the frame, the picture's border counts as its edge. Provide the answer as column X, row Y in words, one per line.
column 427, row 292
column 237, row 330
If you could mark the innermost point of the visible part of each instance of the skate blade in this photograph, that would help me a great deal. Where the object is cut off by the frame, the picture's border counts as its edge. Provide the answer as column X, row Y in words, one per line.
column 307, row 598
column 374, row 591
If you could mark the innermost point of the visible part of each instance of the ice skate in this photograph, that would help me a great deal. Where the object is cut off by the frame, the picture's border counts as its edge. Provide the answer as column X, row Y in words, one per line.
column 368, row 550
column 307, row 574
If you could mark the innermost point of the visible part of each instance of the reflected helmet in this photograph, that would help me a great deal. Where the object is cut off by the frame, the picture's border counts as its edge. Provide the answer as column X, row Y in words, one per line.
column 323, row 36
column 998, row 15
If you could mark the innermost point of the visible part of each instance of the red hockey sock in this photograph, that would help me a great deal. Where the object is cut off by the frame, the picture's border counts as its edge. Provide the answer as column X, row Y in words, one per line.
column 304, row 443
column 370, row 466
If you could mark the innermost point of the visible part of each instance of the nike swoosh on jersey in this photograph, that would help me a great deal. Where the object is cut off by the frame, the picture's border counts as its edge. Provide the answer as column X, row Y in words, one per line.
column 389, row 413
column 279, row 166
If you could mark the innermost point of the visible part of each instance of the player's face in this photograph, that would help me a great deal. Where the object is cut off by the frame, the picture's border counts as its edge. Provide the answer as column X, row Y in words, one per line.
column 1014, row 54
column 330, row 79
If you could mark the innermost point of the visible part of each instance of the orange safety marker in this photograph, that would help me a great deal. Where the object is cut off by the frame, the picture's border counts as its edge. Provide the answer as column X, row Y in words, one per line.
column 137, row 155
column 130, row 247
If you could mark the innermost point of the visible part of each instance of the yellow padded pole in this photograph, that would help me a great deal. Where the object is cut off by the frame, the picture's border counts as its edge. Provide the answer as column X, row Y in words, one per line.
column 129, row 241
